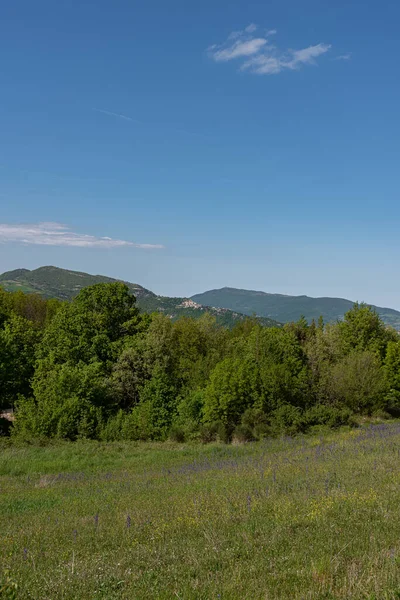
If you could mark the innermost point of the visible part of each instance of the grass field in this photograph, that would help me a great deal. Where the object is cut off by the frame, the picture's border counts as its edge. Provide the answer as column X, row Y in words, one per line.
column 311, row 518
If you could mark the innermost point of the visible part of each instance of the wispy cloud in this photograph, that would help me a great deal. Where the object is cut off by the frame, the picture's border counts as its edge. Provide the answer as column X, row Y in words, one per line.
column 343, row 56
column 251, row 28
column 260, row 56
column 114, row 114
column 149, row 125
column 56, row 234
column 239, row 48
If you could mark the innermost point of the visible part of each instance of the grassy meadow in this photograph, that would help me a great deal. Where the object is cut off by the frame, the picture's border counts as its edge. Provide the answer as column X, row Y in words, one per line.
column 314, row 517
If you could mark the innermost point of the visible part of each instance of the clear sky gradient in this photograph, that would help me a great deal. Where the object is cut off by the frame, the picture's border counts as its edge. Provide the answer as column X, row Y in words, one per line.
column 256, row 142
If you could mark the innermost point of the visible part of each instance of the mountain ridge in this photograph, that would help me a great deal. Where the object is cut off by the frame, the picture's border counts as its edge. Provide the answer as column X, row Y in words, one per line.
column 227, row 304
column 64, row 284
column 285, row 308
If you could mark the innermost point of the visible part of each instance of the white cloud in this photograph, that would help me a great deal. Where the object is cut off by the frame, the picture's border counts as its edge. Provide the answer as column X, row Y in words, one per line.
column 55, row 234
column 251, row 28
column 308, row 55
column 262, row 57
column 343, row 56
column 263, row 65
column 238, row 49
column 112, row 114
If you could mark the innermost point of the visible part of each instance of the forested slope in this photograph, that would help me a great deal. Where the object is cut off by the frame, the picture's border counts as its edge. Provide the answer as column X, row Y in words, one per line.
column 63, row 284
column 285, row 309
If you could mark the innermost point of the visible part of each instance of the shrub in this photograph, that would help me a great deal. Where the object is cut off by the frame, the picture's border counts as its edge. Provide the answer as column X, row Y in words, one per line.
column 207, row 434
column 216, row 431
column 190, row 408
column 261, row 431
column 242, row 434
column 330, row 416
column 177, row 434
column 357, row 381
column 256, row 421
column 286, row 419
column 233, row 387
column 224, row 432
column 143, row 421
column 253, row 417
column 112, row 430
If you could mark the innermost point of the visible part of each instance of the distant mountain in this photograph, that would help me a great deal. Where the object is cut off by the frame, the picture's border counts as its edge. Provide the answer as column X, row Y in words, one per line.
column 52, row 282
column 287, row 308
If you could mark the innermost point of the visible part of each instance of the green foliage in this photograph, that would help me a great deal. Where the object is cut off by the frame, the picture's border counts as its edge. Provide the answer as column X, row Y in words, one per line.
column 8, row 587
column 70, row 418
column 18, row 340
column 189, row 414
column 257, row 422
column 96, row 368
column 356, row 381
column 286, row 419
column 363, row 329
column 159, row 404
column 234, row 386
column 129, row 374
column 392, row 376
column 330, row 416
column 243, row 433
column 93, row 326
column 177, row 434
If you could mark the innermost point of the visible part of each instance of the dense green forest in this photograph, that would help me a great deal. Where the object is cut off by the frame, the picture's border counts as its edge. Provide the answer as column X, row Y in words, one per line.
column 95, row 367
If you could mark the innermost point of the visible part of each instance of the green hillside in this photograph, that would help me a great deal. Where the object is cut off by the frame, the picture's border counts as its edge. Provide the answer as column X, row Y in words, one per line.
column 53, row 282
column 287, row 308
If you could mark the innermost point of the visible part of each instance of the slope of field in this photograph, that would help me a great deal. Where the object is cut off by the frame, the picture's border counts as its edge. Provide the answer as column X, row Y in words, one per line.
column 287, row 308
column 307, row 518
column 53, row 282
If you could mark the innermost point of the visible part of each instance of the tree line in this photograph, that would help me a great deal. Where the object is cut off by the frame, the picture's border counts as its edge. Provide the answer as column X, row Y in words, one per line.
column 97, row 368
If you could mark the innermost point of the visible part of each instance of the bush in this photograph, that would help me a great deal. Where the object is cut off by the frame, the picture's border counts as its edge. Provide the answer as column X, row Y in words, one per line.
column 255, row 421
column 224, row 432
column 190, row 408
column 207, row 434
column 261, row 431
column 232, row 388
column 242, row 434
column 330, row 416
column 143, row 422
column 358, row 382
column 215, row 432
column 112, row 430
column 392, row 403
column 253, row 417
column 177, row 434
column 189, row 414
column 286, row 419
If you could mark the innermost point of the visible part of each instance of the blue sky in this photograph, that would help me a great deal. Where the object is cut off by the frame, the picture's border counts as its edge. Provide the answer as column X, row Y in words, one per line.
column 256, row 142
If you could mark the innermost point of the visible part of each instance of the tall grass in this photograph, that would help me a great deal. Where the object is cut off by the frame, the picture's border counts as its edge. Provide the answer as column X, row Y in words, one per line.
column 308, row 518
